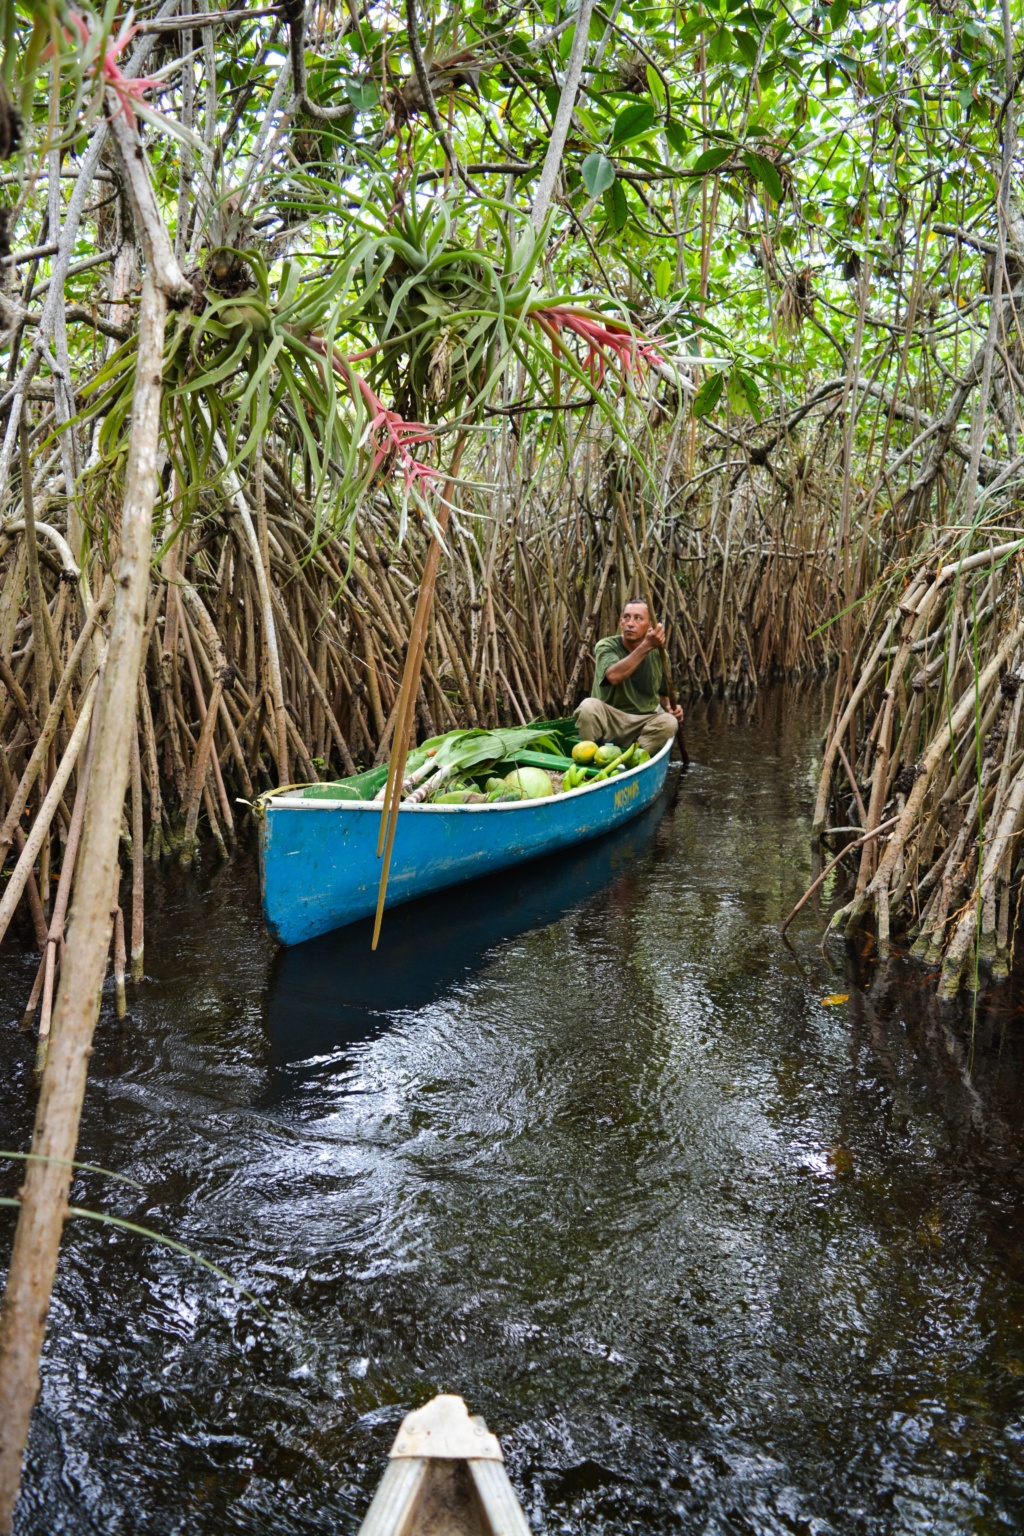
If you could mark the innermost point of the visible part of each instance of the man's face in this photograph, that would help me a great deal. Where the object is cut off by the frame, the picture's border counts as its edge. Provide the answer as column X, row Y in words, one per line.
column 634, row 624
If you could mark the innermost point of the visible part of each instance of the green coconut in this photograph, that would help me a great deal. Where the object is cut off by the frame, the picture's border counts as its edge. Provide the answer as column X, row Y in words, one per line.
column 532, row 783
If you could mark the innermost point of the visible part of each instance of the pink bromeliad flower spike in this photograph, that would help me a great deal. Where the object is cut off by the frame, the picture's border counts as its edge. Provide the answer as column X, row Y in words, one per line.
column 392, row 434
column 128, row 92
column 602, row 338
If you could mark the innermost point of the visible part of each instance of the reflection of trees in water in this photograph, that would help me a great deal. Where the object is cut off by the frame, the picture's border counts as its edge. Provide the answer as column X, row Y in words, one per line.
column 971, row 1058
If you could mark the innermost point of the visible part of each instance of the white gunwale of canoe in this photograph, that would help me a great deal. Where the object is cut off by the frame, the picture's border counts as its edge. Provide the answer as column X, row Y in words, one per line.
column 294, row 802
column 402, row 1504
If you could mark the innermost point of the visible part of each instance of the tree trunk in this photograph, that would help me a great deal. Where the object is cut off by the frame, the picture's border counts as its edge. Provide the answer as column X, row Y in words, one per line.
column 26, row 1300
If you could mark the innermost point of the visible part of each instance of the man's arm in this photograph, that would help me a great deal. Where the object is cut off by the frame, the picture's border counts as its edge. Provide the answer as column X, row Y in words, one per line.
column 654, row 640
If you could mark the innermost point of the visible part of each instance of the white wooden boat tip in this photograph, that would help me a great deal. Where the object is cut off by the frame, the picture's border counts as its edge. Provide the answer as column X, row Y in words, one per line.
column 445, row 1477
column 444, row 1428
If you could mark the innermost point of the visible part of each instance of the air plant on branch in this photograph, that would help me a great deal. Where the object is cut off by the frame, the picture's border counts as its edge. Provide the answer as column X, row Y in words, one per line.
column 407, row 310
column 85, row 51
column 421, row 291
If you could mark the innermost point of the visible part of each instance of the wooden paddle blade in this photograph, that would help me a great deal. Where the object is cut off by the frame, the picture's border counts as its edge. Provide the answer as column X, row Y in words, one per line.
column 682, row 747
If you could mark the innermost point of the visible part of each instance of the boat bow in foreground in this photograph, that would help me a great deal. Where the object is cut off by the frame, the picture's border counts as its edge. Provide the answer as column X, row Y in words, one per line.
column 445, row 1477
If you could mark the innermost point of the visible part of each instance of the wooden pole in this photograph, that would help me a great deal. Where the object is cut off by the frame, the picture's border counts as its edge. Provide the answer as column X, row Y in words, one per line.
column 55, row 937
column 44, row 1193
column 44, row 816
column 120, row 957
column 138, row 864
column 49, row 730
column 563, row 116
column 409, row 689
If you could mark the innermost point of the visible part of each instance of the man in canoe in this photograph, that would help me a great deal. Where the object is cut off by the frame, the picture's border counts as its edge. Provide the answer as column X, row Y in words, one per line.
column 629, row 701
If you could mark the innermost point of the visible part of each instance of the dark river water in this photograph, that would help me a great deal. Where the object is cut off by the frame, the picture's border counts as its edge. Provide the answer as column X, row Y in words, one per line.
column 583, row 1144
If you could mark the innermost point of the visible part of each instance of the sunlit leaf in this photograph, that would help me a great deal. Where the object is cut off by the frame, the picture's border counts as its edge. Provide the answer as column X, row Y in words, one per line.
column 656, row 88
column 598, row 173
column 362, row 94
column 746, row 46
column 632, row 121
column 616, row 206
column 711, row 159
column 720, row 46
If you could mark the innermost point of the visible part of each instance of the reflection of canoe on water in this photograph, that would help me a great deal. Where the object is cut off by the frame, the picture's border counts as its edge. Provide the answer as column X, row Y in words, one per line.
column 331, row 992
column 445, row 1477
column 318, row 857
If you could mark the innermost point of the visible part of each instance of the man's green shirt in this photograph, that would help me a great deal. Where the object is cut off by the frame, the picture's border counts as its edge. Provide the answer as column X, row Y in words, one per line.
column 640, row 693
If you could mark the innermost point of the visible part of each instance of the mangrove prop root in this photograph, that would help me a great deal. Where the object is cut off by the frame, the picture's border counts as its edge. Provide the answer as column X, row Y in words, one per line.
column 817, row 883
column 936, row 713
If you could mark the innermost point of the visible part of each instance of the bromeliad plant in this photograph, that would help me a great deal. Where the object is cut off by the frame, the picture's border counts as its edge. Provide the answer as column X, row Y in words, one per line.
column 237, row 362
column 85, row 49
column 447, row 319
column 407, row 310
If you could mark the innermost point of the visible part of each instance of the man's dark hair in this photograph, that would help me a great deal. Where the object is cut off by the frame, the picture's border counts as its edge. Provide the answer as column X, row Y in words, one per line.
column 631, row 602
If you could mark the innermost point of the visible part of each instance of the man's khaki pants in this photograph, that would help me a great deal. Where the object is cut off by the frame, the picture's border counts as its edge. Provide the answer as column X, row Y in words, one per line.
column 597, row 721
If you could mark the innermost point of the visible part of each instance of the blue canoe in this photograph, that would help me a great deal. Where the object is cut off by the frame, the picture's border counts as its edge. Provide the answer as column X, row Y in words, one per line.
column 318, row 857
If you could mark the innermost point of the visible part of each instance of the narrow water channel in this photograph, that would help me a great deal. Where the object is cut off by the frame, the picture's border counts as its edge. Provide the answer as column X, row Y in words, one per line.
column 583, row 1144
